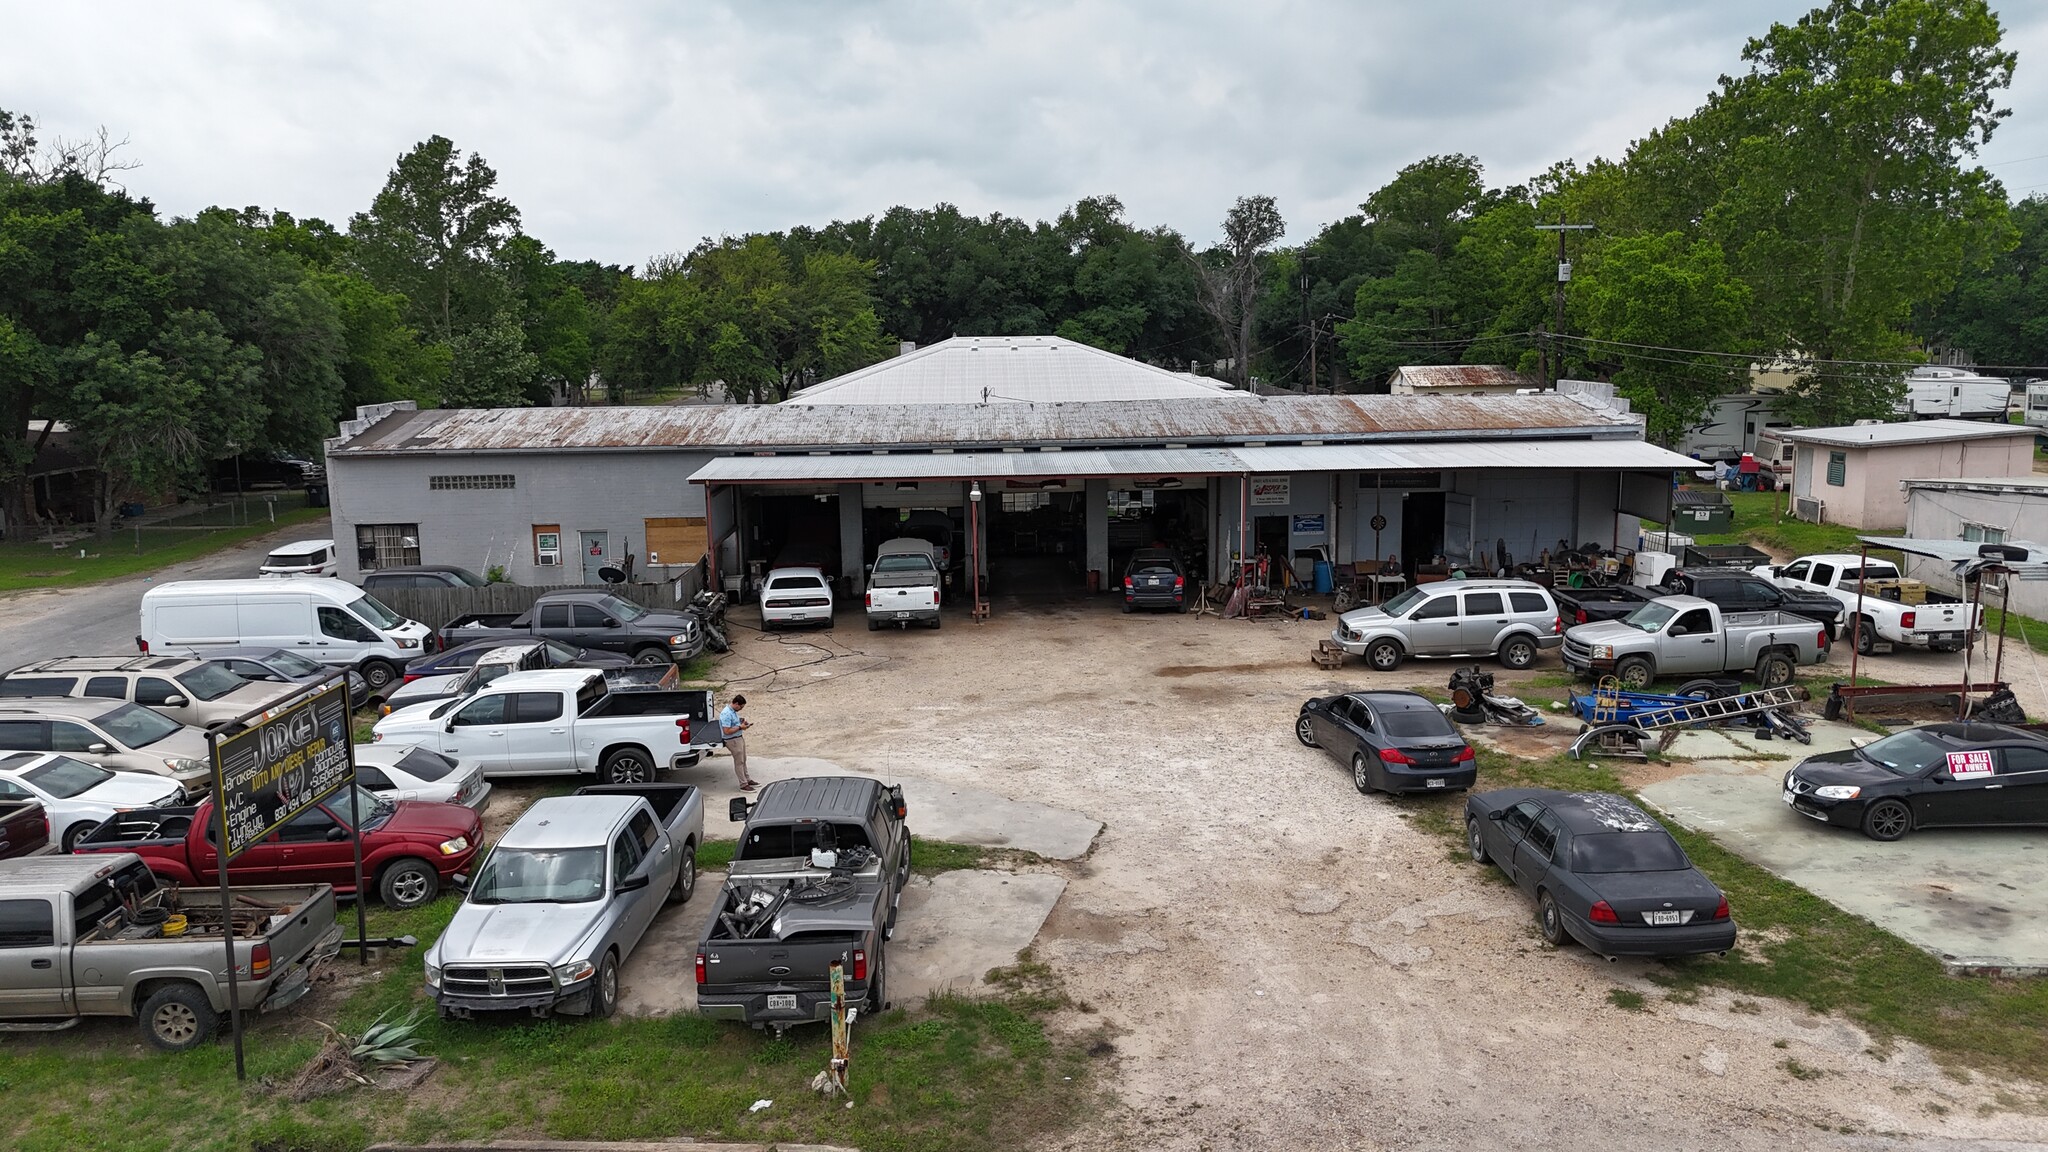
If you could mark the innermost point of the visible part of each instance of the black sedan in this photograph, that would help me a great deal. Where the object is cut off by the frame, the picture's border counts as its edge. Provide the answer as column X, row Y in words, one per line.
column 1393, row 741
column 1936, row 776
column 1601, row 871
column 1154, row 579
column 283, row 666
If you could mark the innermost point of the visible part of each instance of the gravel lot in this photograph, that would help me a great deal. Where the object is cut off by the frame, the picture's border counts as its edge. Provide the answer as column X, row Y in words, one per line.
column 1282, row 963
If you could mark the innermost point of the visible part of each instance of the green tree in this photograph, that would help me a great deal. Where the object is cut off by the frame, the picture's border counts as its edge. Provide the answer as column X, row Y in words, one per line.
column 653, row 337
column 435, row 234
column 1229, row 276
column 1651, row 294
column 489, row 366
column 2001, row 315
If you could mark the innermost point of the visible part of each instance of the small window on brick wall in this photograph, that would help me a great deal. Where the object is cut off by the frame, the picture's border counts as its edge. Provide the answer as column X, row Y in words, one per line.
column 464, row 483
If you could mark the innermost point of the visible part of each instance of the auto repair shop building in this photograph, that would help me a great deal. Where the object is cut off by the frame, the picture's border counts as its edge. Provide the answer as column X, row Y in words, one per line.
column 1077, row 455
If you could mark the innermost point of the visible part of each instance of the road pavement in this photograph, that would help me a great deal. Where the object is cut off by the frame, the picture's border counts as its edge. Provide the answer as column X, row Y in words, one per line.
column 101, row 619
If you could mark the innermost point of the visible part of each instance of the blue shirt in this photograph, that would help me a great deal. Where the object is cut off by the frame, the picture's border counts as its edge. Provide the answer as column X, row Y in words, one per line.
column 729, row 722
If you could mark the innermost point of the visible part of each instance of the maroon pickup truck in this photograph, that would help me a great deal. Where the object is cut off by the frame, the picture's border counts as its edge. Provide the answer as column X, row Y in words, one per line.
column 410, row 848
column 24, row 828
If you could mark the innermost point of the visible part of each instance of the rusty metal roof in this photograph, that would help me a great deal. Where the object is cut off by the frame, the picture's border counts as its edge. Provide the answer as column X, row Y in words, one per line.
column 1463, row 376
column 801, row 427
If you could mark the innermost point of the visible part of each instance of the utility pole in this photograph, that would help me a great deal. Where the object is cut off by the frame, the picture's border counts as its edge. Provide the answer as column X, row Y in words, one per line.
column 1554, row 360
column 1308, row 322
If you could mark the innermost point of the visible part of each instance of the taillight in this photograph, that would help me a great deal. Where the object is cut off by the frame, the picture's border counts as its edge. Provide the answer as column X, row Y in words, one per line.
column 142, row 645
column 1820, row 639
column 1578, row 615
column 871, row 599
column 259, row 960
column 683, row 726
column 1394, row 756
column 1720, row 910
column 1906, row 621
column 860, row 963
column 411, row 676
column 1603, row 913
column 1129, row 583
column 1559, row 629
column 700, row 968
column 1464, row 754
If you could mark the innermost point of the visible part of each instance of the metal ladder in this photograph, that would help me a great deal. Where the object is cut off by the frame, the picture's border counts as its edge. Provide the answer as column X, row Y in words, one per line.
column 1617, row 737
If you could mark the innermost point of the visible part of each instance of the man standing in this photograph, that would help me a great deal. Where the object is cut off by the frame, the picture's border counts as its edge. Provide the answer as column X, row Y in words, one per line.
column 734, row 729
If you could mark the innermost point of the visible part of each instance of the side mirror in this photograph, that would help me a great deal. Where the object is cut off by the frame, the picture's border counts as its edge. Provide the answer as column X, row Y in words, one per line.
column 1941, row 776
column 632, row 883
column 98, row 749
column 1497, row 814
column 1677, row 631
column 460, row 881
column 175, row 701
column 610, row 623
column 337, row 833
column 448, row 727
column 737, row 810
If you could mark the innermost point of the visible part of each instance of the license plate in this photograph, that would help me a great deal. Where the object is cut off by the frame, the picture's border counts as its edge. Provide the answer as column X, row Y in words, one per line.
column 1949, row 637
column 1788, row 796
column 1433, row 782
column 799, row 615
column 903, row 615
column 778, row 1003
column 1665, row 918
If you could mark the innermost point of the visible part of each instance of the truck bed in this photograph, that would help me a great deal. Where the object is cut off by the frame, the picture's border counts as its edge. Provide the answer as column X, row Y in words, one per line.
column 694, row 703
column 664, row 798
column 142, row 828
column 1585, row 605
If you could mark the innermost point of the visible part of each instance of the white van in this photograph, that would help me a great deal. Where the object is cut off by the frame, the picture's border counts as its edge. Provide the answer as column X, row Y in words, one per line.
column 331, row 621
column 302, row 558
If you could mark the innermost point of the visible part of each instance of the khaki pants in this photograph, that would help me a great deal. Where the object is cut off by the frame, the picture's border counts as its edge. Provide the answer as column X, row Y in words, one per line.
column 738, row 747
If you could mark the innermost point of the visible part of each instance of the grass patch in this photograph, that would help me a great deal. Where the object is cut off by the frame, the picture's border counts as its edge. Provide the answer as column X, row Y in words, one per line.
column 926, row 856
column 29, row 564
column 958, row 1073
column 1761, row 519
column 1798, row 948
column 1627, row 999
column 2017, row 627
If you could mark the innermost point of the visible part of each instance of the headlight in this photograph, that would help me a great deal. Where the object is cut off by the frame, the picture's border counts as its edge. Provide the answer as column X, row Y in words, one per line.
column 1838, row 792
column 1603, row 652
column 680, row 640
column 433, row 976
column 575, row 970
column 451, row 847
column 405, row 643
column 185, row 764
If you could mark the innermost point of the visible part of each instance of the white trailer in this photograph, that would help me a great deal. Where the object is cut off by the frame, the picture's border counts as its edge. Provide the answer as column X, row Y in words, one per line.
column 1935, row 392
column 1731, row 426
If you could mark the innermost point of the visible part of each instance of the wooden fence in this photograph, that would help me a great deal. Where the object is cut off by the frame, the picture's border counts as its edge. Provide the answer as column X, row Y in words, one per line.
column 435, row 607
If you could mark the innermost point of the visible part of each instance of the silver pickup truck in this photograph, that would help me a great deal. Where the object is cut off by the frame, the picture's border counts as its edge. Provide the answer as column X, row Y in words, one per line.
column 1688, row 636
column 904, row 584
column 563, row 900
column 97, row 936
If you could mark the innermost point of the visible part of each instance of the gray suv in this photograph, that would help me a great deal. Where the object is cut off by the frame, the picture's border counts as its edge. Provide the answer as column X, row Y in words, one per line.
column 1513, row 619
column 113, row 734
column 201, row 693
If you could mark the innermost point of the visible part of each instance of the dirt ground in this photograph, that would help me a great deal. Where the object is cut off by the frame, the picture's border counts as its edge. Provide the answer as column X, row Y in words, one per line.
column 1283, row 963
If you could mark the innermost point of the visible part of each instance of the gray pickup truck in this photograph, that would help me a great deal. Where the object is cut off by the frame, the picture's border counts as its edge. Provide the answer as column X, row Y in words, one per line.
column 587, row 619
column 1688, row 636
column 817, row 877
column 563, row 900
column 97, row 936
column 905, row 585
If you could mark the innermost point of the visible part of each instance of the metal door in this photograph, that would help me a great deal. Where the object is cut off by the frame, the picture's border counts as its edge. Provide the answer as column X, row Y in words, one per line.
column 594, row 548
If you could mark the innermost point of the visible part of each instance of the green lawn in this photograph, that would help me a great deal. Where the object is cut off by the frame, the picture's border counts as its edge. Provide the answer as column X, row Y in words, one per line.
column 956, row 1073
column 127, row 552
column 1758, row 521
column 1799, row 948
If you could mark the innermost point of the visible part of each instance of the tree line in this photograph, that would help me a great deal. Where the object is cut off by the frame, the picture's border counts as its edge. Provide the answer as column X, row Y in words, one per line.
column 1822, row 213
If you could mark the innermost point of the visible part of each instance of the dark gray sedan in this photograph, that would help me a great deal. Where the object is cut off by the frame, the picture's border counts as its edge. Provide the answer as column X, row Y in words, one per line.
column 1392, row 741
column 1601, row 871
column 283, row 666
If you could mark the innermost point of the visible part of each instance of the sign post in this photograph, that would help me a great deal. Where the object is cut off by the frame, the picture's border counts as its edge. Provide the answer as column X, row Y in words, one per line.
column 271, row 766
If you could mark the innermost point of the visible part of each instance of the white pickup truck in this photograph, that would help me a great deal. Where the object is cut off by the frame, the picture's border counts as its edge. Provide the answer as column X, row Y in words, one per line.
column 903, row 584
column 1940, row 624
column 562, row 721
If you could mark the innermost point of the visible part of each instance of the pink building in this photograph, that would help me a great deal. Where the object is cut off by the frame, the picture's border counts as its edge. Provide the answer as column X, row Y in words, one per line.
column 1851, row 475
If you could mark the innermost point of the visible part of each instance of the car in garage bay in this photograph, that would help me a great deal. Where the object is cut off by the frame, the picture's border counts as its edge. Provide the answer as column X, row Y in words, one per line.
column 794, row 596
column 1391, row 741
column 1601, row 871
column 1154, row 579
column 1973, row 775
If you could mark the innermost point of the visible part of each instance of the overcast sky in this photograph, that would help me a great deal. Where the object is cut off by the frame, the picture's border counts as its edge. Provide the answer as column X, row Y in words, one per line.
column 623, row 130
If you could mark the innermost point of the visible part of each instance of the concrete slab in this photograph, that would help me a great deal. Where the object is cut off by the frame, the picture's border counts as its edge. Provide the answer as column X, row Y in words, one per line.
column 951, row 930
column 1964, row 895
column 1740, row 744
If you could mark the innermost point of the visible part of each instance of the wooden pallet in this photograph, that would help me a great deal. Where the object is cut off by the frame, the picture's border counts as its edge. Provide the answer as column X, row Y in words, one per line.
column 1327, row 655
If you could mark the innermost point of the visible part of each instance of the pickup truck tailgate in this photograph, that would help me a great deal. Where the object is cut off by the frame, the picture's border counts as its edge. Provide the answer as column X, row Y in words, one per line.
column 23, row 829
column 801, row 962
column 902, row 599
column 1926, row 618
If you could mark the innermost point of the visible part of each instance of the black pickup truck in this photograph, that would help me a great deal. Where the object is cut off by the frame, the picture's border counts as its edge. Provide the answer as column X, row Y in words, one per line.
column 1741, row 592
column 1591, row 605
column 817, row 877
column 587, row 619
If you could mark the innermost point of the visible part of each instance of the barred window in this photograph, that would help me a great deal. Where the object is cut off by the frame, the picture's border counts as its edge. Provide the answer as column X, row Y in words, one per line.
column 387, row 545
column 461, row 483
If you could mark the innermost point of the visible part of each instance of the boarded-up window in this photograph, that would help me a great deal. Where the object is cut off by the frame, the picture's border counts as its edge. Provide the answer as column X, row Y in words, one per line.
column 547, row 545
column 1838, row 468
column 676, row 539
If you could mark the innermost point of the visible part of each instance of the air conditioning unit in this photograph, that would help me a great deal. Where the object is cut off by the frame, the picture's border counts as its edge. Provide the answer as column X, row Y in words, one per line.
column 1809, row 509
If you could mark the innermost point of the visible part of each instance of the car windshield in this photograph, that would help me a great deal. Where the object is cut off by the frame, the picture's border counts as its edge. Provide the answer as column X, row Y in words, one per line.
column 65, row 777
column 783, row 583
column 373, row 808
column 1413, row 722
column 1151, row 565
column 1627, row 852
column 294, row 665
column 625, row 610
column 209, row 681
column 540, row 876
column 1651, row 617
column 136, row 727
column 1909, row 753
column 424, row 764
column 376, row 613
column 297, row 559
column 465, row 576
column 904, row 562
column 1400, row 604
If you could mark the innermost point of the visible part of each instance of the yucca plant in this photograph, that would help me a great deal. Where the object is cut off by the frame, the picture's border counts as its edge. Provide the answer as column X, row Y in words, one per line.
column 387, row 1043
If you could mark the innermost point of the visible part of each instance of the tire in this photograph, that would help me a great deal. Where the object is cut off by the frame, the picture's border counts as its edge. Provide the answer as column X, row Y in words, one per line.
column 936, row 622
column 378, row 674
column 1635, row 673
column 177, row 1018
column 686, row 877
column 878, row 984
column 1304, row 731
column 74, row 834
column 408, row 883
column 1127, row 607
column 1474, row 842
column 627, row 766
column 651, row 655
column 1550, row 921
column 604, row 988
column 1704, row 689
column 1775, row 670
column 1866, row 636
column 1887, row 820
column 1361, row 777
column 1383, row 655
column 1518, row 653
column 872, row 626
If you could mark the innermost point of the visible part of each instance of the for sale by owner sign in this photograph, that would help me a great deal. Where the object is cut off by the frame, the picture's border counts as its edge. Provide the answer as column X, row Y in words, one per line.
column 281, row 766
column 1964, row 765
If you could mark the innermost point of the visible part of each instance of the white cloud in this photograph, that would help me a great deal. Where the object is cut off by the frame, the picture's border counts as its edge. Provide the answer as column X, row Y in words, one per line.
column 625, row 130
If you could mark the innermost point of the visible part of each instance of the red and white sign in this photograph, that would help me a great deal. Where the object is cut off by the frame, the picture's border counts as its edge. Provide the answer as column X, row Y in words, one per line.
column 1964, row 765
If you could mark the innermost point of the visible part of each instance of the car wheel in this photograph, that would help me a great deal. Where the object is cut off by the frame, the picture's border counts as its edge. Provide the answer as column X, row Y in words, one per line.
column 1127, row 607
column 872, row 626
column 1550, row 921
column 1475, row 843
column 650, row 655
column 1304, row 731
column 1383, row 656
column 1887, row 820
column 878, row 984
column 74, row 834
column 409, row 884
column 1866, row 636
column 378, row 674
column 1359, row 776
column 686, row 877
column 177, row 1018
column 1518, row 653
column 1635, row 673
column 1774, row 671
column 604, row 988
column 628, row 766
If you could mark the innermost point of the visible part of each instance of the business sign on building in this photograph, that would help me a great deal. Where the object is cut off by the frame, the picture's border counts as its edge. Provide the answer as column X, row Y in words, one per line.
column 1271, row 491
column 277, row 768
